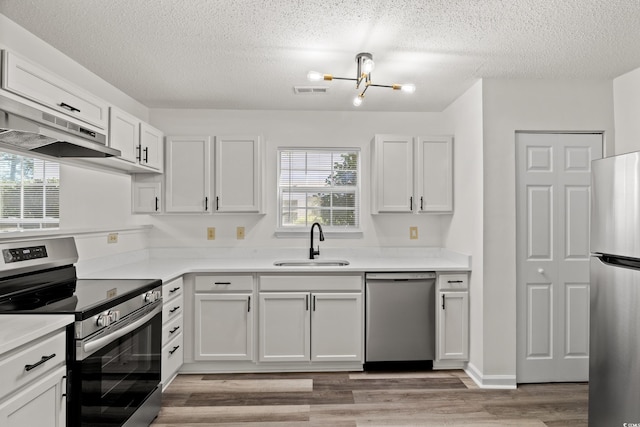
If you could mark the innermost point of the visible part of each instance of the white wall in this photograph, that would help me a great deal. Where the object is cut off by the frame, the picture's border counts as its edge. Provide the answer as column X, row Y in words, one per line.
column 626, row 97
column 463, row 231
column 22, row 42
column 510, row 106
column 297, row 129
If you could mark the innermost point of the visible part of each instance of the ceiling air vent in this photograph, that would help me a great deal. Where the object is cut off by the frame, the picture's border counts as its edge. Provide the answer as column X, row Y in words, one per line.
column 302, row 90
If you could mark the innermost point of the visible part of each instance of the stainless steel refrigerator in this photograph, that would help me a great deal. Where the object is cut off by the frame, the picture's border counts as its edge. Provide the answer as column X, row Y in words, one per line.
column 614, row 360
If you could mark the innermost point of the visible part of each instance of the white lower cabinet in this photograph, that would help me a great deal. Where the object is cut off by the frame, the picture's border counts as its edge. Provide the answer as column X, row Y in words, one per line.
column 453, row 317
column 310, row 326
column 223, row 327
column 42, row 404
column 33, row 381
column 223, row 317
column 172, row 327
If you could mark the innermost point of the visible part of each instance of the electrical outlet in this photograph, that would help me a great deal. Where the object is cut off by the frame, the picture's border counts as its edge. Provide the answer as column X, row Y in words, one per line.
column 240, row 233
column 211, row 233
column 112, row 238
column 413, row 233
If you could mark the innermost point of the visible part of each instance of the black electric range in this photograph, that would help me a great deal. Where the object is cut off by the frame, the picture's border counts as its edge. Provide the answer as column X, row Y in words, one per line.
column 113, row 354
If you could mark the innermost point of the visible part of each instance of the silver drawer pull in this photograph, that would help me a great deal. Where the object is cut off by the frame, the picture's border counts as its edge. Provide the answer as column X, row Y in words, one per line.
column 222, row 283
column 174, row 349
column 68, row 107
column 39, row 362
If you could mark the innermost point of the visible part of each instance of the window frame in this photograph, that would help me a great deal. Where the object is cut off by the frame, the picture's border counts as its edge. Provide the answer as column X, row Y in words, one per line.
column 331, row 231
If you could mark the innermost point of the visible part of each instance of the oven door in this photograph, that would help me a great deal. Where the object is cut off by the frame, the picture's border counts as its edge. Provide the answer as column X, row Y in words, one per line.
column 114, row 375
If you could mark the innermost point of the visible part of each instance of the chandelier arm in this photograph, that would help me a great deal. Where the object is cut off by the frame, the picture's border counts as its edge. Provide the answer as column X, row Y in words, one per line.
column 345, row 78
column 390, row 86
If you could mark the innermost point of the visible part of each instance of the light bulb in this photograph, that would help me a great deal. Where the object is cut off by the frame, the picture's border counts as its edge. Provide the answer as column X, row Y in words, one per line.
column 408, row 88
column 367, row 65
column 357, row 101
column 314, row 76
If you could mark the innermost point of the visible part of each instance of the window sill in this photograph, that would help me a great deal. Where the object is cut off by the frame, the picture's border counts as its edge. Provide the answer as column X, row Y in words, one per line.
column 284, row 233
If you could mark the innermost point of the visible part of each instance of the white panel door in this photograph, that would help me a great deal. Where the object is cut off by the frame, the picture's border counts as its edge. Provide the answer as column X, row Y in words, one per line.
column 284, row 327
column 453, row 325
column 553, row 222
column 151, row 146
column 223, row 327
column 124, row 134
column 434, row 174
column 336, row 323
column 392, row 170
column 188, row 174
column 237, row 174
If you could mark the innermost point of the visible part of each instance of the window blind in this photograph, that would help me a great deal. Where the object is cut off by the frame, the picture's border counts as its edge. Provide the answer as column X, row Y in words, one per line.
column 319, row 185
column 29, row 193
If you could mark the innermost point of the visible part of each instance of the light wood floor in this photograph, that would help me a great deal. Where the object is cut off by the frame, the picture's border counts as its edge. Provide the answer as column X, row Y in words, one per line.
column 356, row 399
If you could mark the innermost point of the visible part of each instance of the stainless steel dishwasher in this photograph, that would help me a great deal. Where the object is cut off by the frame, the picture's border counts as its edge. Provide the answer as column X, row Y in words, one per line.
column 400, row 317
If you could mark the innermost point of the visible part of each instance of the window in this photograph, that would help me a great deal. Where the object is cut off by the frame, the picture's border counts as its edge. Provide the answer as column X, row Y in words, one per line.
column 319, row 185
column 29, row 193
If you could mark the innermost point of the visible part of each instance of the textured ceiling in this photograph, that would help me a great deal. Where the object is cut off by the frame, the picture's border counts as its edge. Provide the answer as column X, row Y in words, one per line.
column 248, row 54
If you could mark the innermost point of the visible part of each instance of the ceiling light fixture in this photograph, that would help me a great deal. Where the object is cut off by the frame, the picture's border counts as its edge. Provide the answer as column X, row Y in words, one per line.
column 363, row 77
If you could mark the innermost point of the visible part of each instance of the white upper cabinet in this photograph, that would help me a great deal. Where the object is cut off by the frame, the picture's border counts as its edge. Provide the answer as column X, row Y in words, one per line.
column 392, row 173
column 124, row 134
column 139, row 142
column 411, row 175
column 434, row 174
column 237, row 174
column 151, row 146
column 188, row 174
column 33, row 82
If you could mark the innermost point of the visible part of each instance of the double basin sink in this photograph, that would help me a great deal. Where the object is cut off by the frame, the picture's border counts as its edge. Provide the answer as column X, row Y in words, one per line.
column 311, row 263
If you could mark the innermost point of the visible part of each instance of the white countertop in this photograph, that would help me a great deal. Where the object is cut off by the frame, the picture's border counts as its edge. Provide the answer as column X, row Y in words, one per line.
column 167, row 264
column 19, row 329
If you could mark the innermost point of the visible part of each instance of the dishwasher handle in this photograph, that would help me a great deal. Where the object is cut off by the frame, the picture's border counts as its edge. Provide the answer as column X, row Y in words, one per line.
column 372, row 277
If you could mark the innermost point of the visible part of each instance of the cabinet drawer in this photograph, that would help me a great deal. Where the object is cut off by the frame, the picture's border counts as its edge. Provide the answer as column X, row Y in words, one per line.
column 172, row 289
column 224, row 283
column 310, row 283
column 172, row 308
column 172, row 328
column 33, row 82
column 453, row 281
column 172, row 357
column 46, row 354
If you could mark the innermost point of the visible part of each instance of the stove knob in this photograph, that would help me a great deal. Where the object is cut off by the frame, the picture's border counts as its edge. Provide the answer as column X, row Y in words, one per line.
column 150, row 296
column 103, row 320
column 114, row 316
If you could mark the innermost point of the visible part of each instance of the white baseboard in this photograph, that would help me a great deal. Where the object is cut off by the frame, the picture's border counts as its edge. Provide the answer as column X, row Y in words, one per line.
column 490, row 381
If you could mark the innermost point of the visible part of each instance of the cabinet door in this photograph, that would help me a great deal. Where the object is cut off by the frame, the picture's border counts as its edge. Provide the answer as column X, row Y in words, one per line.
column 336, row 326
column 237, row 174
column 152, row 147
column 284, row 327
column 392, row 172
column 41, row 404
column 453, row 325
column 31, row 81
column 223, row 327
column 434, row 174
column 146, row 195
column 188, row 174
column 124, row 134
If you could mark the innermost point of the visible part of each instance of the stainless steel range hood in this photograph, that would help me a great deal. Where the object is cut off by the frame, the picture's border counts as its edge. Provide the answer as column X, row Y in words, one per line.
column 25, row 128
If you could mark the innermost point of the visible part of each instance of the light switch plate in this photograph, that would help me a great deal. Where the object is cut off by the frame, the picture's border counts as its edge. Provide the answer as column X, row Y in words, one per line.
column 413, row 233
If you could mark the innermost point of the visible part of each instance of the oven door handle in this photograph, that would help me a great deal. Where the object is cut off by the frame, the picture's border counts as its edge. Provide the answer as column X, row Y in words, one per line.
column 92, row 346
